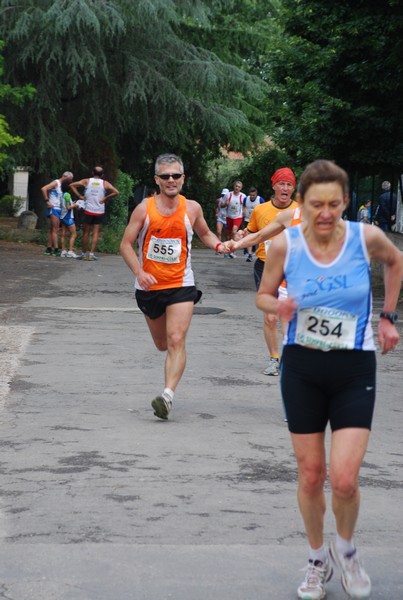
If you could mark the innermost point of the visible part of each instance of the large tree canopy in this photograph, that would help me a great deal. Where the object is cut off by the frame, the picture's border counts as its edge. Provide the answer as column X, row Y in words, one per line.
column 336, row 77
column 117, row 77
column 120, row 81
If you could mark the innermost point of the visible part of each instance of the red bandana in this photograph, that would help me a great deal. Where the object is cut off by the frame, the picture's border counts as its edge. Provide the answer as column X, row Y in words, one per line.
column 284, row 174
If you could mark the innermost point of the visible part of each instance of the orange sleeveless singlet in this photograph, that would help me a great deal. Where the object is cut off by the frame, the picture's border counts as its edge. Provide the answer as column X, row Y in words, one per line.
column 165, row 246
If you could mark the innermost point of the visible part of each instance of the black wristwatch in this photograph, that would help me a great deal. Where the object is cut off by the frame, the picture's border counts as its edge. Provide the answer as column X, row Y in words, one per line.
column 390, row 316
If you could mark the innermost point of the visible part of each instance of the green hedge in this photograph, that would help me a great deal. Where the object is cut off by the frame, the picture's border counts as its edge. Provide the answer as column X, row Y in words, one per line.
column 10, row 205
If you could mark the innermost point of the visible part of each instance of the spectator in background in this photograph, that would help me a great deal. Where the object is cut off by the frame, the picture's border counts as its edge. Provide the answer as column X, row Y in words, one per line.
column 67, row 222
column 52, row 194
column 385, row 212
column 364, row 212
column 97, row 191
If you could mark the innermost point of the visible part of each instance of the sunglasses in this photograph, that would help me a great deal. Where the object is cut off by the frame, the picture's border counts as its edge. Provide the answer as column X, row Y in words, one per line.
column 166, row 176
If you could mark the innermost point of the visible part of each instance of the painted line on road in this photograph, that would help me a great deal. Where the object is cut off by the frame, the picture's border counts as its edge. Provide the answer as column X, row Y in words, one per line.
column 88, row 308
column 198, row 310
column 13, row 343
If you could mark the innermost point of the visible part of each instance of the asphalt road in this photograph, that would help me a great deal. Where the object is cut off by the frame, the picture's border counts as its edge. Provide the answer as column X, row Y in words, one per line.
column 99, row 500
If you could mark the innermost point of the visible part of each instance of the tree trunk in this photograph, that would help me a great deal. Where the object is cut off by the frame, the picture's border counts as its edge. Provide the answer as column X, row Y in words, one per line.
column 36, row 203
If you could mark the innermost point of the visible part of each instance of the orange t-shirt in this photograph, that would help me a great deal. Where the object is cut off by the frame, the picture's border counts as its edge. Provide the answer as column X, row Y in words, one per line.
column 165, row 246
column 262, row 215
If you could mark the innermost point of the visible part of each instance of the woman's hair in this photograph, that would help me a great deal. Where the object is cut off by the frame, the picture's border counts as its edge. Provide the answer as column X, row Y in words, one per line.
column 322, row 171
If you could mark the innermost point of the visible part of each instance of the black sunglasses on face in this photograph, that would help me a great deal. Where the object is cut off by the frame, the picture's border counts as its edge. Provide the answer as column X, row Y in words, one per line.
column 166, row 176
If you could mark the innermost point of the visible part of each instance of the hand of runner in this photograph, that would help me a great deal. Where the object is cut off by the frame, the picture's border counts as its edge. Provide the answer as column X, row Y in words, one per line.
column 146, row 280
column 229, row 246
column 286, row 308
column 239, row 235
column 388, row 336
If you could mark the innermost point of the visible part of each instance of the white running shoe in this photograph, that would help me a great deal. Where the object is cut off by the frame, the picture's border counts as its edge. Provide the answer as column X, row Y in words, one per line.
column 273, row 368
column 63, row 254
column 162, row 406
column 71, row 254
column 316, row 575
column 354, row 579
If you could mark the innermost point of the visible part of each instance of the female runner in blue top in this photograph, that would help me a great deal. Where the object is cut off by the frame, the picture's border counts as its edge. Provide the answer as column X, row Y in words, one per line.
column 328, row 362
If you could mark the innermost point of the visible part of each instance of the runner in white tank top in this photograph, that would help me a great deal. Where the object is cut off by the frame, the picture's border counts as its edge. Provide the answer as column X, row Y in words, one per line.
column 97, row 191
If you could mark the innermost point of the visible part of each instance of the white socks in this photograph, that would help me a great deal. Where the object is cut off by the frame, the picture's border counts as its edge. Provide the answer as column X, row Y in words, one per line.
column 344, row 547
column 168, row 394
column 318, row 554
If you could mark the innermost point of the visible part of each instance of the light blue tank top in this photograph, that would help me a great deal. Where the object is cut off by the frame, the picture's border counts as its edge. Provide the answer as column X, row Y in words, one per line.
column 334, row 300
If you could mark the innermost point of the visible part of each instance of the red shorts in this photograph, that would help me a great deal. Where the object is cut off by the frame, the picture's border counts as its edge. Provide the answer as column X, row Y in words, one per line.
column 231, row 223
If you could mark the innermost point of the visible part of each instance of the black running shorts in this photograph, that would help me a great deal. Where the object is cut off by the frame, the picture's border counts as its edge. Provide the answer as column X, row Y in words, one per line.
column 153, row 304
column 258, row 272
column 93, row 219
column 336, row 387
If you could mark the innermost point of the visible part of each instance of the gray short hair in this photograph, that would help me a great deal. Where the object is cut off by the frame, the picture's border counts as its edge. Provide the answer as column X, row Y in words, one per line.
column 167, row 159
column 68, row 174
column 385, row 185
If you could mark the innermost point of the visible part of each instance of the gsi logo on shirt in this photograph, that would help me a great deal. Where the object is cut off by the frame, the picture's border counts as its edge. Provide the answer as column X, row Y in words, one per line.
column 325, row 284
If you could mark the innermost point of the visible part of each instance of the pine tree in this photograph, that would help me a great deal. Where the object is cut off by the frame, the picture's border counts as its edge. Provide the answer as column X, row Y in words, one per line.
column 116, row 77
